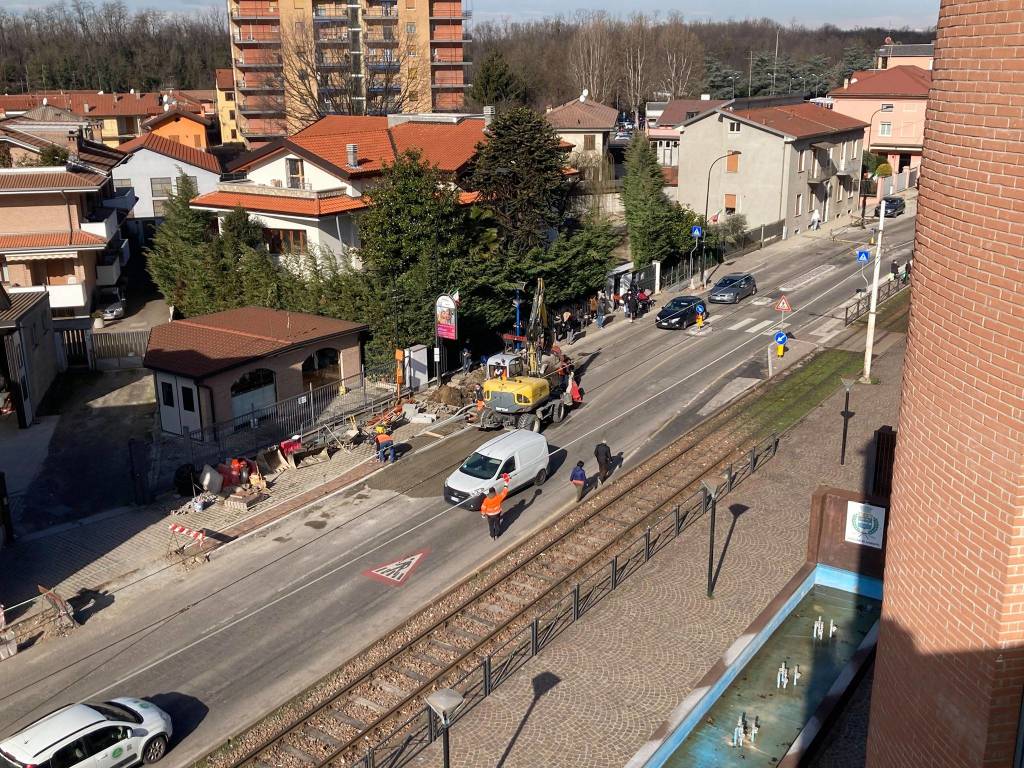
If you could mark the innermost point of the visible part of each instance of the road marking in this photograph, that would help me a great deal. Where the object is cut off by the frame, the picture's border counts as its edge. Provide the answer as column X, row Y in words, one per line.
column 762, row 302
column 727, row 394
column 828, row 328
column 740, row 324
column 808, row 277
column 396, row 573
column 760, row 326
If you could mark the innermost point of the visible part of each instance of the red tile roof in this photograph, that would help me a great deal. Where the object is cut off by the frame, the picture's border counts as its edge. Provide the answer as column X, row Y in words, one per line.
column 225, row 79
column 676, row 111
column 585, row 115
column 38, row 180
column 207, row 344
column 24, row 241
column 801, row 120
column 176, row 111
column 904, row 81
column 100, row 104
column 333, row 124
column 173, row 149
column 295, row 206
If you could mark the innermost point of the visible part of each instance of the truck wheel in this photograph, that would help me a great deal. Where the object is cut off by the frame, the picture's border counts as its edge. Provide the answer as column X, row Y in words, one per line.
column 540, row 478
column 525, row 421
column 537, row 423
column 558, row 412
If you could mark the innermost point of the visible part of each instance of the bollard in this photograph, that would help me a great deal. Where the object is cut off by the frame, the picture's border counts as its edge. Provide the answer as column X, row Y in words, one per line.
column 647, row 545
column 535, row 637
column 575, row 606
column 488, row 685
column 679, row 520
column 700, row 322
column 780, row 350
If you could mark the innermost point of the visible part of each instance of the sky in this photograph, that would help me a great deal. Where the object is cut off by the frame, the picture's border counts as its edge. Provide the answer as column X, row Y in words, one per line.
column 866, row 13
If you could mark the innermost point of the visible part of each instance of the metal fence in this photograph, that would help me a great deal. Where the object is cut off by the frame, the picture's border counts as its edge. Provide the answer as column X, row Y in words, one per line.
column 862, row 304
column 77, row 346
column 119, row 349
column 401, row 746
column 677, row 270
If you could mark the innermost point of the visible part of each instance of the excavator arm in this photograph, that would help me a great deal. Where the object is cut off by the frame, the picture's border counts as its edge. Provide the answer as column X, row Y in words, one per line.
column 535, row 330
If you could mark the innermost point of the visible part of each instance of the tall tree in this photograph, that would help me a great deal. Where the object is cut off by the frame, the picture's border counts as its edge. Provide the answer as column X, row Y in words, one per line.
column 652, row 235
column 679, row 58
column 592, row 57
column 637, row 64
column 519, row 173
column 495, row 84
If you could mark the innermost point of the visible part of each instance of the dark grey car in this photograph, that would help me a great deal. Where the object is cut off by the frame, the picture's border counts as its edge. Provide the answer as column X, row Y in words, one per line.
column 732, row 289
column 894, row 206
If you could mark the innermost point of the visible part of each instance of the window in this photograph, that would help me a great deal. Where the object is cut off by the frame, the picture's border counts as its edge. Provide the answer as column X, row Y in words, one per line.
column 887, row 108
column 104, row 738
column 67, row 756
column 161, row 186
column 734, row 126
column 732, row 164
column 839, row 191
column 167, row 394
column 885, row 129
column 730, row 205
column 123, row 185
column 799, row 204
column 159, row 208
column 188, row 399
column 285, row 240
column 410, row 28
column 234, row 134
column 296, row 173
column 589, row 141
column 509, row 466
column 231, row 114
column 802, row 161
column 300, row 27
column 230, row 96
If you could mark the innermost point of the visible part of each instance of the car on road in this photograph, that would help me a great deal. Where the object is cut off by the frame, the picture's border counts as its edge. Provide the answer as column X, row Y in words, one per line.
column 894, row 206
column 521, row 453
column 110, row 734
column 680, row 312
column 113, row 311
column 732, row 289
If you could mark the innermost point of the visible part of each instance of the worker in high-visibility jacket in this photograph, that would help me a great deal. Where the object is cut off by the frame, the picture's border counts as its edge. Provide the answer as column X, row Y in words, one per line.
column 491, row 506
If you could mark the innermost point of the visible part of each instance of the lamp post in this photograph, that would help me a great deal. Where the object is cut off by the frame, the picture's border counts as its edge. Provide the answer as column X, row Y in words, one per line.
column 871, row 129
column 847, row 385
column 707, row 202
column 444, row 703
column 870, row 344
column 711, row 496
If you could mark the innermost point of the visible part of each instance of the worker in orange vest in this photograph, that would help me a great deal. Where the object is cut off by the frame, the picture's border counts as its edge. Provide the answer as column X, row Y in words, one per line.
column 385, row 445
column 491, row 507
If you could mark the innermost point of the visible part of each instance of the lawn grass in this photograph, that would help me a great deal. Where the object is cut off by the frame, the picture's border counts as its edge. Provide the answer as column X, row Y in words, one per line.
column 893, row 315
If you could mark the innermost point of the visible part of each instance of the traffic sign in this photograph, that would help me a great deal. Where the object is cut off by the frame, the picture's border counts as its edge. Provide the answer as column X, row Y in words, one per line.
column 398, row 572
column 782, row 305
column 696, row 231
column 700, row 309
column 781, row 338
column 863, row 257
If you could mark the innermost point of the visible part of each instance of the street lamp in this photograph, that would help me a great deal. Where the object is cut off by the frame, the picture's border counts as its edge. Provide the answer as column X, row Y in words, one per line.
column 847, row 385
column 444, row 703
column 711, row 496
column 707, row 202
column 871, row 129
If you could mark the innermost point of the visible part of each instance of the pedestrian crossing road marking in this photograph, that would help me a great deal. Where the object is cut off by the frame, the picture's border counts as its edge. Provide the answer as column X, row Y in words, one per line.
column 397, row 572
column 760, row 326
column 741, row 323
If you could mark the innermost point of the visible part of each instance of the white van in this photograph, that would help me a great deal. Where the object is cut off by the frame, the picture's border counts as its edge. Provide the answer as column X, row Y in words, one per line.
column 522, row 453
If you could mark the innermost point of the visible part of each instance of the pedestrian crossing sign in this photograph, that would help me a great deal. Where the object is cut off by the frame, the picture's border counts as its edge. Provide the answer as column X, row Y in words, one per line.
column 863, row 257
column 397, row 572
column 782, row 305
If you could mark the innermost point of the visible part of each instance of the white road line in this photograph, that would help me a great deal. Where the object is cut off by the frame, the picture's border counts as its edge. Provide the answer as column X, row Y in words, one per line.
column 740, row 324
column 760, row 326
column 828, row 328
column 808, row 277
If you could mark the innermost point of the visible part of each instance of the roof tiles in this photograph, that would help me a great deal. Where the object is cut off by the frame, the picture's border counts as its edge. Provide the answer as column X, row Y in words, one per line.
column 583, row 115
column 173, row 149
column 17, row 181
column 904, row 81
column 679, row 111
column 801, row 120
column 59, row 239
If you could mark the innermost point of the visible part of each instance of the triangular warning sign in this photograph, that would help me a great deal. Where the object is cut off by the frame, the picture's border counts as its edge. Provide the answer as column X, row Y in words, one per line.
column 397, row 572
column 782, row 305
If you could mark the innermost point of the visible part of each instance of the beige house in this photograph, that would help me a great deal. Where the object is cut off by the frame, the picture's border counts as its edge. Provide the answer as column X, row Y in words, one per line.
column 588, row 126
column 227, row 115
column 793, row 159
column 898, row 54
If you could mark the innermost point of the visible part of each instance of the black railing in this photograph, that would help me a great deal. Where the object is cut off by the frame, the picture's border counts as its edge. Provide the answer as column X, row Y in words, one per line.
column 886, row 291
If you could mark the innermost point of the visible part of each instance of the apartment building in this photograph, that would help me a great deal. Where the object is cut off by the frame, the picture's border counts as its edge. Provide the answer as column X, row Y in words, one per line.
column 227, row 114
column 789, row 160
column 60, row 228
column 307, row 190
column 295, row 60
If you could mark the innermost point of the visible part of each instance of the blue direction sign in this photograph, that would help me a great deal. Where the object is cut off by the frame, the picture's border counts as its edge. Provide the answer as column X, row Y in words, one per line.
column 863, row 257
column 696, row 231
column 781, row 338
column 700, row 309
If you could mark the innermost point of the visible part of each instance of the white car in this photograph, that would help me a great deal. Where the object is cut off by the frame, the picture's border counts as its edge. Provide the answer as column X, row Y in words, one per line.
column 522, row 454
column 110, row 734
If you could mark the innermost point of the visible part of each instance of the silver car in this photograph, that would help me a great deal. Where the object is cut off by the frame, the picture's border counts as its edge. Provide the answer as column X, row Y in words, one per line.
column 114, row 312
column 732, row 289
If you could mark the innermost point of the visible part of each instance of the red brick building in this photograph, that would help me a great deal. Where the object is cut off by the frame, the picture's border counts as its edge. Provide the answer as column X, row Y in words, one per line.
column 950, row 667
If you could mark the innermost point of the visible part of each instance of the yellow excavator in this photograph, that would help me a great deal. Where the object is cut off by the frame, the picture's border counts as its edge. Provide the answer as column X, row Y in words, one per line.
column 519, row 393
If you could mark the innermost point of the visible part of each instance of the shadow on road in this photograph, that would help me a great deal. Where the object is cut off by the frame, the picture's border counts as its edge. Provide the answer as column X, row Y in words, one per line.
column 509, row 517
column 186, row 712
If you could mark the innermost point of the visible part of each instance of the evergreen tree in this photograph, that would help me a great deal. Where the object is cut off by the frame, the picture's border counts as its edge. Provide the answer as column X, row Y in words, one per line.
column 652, row 236
column 855, row 58
column 495, row 84
column 577, row 263
column 52, row 156
column 520, row 175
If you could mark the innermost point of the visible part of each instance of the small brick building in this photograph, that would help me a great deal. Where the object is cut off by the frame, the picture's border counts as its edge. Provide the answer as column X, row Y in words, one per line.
column 949, row 673
column 212, row 369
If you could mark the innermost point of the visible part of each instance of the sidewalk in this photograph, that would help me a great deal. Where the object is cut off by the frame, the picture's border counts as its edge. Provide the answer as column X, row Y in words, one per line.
column 599, row 691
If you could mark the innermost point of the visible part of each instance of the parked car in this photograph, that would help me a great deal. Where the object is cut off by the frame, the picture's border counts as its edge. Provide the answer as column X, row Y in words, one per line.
column 121, row 732
column 521, row 453
column 680, row 312
column 894, row 206
column 113, row 311
column 732, row 289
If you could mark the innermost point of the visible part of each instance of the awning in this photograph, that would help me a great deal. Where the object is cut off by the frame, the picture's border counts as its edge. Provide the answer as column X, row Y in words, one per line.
column 42, row 256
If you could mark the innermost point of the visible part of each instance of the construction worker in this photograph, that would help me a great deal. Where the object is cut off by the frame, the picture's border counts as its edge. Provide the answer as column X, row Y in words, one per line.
column 579, row 479
column 491, row 507
column 385, row 444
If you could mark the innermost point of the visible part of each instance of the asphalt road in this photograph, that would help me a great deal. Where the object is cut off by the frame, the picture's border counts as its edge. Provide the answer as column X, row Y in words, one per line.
column 222, row 644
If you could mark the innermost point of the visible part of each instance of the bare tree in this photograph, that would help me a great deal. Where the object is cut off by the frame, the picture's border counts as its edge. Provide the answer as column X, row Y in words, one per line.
column 592, row 59
column 637, row 62
column 680, row 64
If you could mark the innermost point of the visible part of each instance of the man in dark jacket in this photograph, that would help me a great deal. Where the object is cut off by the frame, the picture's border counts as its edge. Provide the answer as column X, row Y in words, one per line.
column 603, row 454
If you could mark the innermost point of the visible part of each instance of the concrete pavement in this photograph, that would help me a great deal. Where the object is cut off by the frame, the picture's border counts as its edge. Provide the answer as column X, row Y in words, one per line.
column 294, row 602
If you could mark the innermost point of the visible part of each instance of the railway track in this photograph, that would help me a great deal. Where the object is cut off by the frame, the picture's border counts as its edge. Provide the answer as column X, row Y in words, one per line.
column 381, row 700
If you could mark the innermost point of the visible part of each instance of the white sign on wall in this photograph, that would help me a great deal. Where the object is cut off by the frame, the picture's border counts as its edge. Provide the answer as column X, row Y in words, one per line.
column 865, row 524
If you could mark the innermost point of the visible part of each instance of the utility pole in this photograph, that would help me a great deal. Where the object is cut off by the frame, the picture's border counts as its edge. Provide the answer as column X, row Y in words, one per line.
column 750, row 73
column 775, row 67
column 870, row 344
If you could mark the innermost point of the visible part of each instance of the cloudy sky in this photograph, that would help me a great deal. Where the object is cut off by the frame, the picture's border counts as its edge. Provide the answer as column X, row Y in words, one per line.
column 884, row 13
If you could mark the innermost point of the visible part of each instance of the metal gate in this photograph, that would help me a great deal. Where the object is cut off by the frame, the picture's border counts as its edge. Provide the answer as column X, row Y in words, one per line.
column 77, row 346
column 644, row 278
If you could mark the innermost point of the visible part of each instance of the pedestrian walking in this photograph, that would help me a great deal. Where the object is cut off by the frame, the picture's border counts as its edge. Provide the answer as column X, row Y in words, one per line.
column 894, row 268
column 467, row 359
column 634, row 306
column 815, row 219
column 491, row 507
column 385, row 445
column 579, row 479
column 906, row 273
column 603, row 454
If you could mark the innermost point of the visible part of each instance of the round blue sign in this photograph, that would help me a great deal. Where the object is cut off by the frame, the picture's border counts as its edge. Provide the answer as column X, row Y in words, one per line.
column 781, row 338
column 700, row 309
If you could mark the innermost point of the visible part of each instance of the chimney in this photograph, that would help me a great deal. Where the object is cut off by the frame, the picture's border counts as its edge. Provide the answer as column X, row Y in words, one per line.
column 85, row 107
column 353, row 155
column 488, row 116
column 705, row 97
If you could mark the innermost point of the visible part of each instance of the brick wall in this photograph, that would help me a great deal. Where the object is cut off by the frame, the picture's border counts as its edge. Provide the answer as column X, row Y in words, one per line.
column 950, row 670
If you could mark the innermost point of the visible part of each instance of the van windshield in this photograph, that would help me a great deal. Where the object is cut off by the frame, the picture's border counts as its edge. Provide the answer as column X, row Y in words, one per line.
column 480, row 466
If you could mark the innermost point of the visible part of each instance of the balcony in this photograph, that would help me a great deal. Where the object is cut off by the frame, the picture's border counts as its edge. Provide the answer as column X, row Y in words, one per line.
column 256, row 107
column 445, row 36
column 102, row 222
column 819, row 173
column 382, row 65
column 384, row 13
column 259, row 86
column 108, row 267
column 460, row 60
column 336, row 15
column 849, row 167
column 379, row 41
column 334, row 63
column 333, row 39
column 242, row 63
column 449, row 13
column 252, row 40
column 449, row 85
column 254, row 11
column 123, row 201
